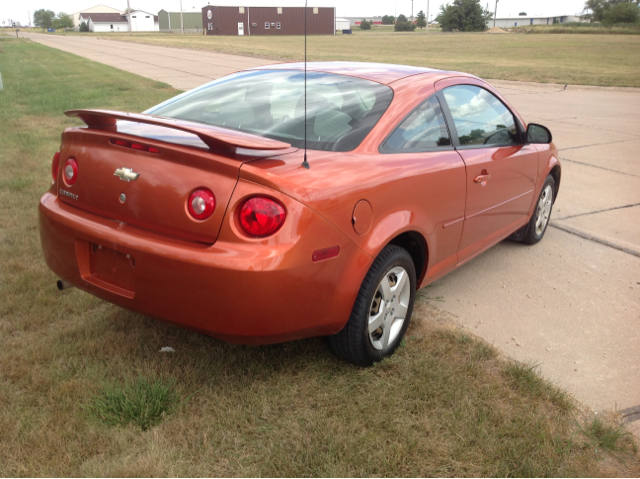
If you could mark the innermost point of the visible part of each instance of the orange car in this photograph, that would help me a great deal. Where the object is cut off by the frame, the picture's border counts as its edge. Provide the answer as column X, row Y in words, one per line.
column 252, row 212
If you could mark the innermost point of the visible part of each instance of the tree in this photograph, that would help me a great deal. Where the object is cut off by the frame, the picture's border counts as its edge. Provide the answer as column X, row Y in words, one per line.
column 622, row 13
column 522, row 14
column 595, row 10
column 464, row 16
column 42, row 18
column 401, row 18
column 487, row 16
column 364, row 25
column 421, row 20
column 62, row 20
column 388, row 20
column 84, row 27
column 404, row 26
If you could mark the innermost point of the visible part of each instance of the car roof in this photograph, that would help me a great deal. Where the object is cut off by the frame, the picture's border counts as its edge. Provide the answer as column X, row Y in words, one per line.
column 384, row 73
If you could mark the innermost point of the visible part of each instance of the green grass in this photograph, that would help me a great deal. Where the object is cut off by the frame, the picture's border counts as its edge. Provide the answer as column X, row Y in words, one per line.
column 599, row 59
column 84, row 390
column 608, row 437
column 142, row 401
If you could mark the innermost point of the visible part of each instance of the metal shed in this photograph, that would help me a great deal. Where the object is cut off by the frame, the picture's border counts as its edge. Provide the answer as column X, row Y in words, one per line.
column 170, row 21
column 268, row 20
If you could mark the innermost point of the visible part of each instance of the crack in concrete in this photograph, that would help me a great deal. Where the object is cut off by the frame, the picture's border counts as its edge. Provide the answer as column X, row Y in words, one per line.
column 595, row 239
column 598, row 211
column 598, row 144
column 591, row 126
column 599, row 167
column 630, row 414
column 525, row 92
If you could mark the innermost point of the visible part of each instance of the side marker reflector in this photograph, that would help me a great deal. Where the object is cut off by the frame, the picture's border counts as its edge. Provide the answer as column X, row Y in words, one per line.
column 327, row 253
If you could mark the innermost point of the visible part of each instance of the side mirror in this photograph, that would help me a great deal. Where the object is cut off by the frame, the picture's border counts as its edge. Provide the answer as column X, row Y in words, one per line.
column 538, row 134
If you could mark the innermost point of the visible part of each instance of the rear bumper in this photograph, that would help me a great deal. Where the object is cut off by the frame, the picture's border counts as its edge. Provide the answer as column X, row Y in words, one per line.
column 249, row 292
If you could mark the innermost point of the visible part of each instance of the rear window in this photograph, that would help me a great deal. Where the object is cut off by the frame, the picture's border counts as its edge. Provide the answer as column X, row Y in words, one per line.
column 341, row 110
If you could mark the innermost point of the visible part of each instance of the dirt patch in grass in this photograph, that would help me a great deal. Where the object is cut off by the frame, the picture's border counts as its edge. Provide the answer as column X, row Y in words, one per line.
column 85, row 390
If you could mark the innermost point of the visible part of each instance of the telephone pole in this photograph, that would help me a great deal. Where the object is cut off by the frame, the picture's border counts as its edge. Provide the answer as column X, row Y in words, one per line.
column 181, row 22
column 129, row 16
column 428, row 2
column 495, row 13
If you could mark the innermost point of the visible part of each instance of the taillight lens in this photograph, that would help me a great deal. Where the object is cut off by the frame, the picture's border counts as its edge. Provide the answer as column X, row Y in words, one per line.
column 55, row 165
column 261, row 216
column 201, row 203
column 70, row 172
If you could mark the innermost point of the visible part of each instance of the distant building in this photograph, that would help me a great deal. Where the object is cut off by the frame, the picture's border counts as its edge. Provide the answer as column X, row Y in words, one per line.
column 97, row 9
column 170, row 21
column 268, row 20
column 343, row 24
column 117, row 22
column 142, row 21
column 508, row 22
column 356, row 21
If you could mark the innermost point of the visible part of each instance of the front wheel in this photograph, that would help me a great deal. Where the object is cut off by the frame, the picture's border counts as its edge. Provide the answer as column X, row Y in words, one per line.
column 382, row 310
column 533, row 231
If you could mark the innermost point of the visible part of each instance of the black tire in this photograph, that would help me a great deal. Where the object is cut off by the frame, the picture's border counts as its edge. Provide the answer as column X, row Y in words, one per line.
column 531, row 233
column 354, row 342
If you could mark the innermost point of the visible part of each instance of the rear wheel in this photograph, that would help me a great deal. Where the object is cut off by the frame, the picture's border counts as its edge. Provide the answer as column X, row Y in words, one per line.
column 381, row 312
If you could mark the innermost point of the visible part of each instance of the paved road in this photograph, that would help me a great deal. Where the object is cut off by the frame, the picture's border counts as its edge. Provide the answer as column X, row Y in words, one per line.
column 570, row 303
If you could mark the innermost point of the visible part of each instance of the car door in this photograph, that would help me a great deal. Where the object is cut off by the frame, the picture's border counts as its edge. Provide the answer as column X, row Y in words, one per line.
column 433, row 180
column 501, row 170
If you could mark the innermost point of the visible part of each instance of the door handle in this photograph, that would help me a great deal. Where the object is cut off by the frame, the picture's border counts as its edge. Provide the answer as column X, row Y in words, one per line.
column 482, row 178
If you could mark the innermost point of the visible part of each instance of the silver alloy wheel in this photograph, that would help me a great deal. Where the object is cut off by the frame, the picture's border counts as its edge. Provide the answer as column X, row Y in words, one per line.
column 544, row 210
column 388, row 309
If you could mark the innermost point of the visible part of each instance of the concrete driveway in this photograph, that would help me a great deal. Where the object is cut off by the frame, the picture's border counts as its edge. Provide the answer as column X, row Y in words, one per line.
column 571, row 303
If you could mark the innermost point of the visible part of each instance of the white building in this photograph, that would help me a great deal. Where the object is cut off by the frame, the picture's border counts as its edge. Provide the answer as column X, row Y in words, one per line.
column 105, row 22
column 116, row 22
column 143, row 21
column 508, row 22
column 97, row 9
column 343, row 24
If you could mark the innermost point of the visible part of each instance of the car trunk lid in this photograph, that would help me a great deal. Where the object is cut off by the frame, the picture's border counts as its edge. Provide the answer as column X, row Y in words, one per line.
column 144, row 181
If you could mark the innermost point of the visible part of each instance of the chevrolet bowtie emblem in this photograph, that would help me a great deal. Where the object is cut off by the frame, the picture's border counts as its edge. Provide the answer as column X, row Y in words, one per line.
column 126, row 174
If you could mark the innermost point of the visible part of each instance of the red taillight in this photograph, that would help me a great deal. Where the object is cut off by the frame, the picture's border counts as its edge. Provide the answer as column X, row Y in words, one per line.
column 70, row 172
column 55, row 165
column 135, row 146
column 261, row 216
column 201, row 204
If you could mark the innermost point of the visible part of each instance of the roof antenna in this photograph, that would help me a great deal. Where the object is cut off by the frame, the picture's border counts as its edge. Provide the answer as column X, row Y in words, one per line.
column 305, row 163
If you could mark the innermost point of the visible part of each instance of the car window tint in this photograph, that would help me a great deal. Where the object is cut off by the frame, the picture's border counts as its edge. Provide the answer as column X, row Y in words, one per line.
column 340, row 110
column 479, row 117
column 424, row 128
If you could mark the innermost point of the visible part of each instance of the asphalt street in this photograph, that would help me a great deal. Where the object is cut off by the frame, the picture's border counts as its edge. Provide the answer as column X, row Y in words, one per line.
column 570, row 304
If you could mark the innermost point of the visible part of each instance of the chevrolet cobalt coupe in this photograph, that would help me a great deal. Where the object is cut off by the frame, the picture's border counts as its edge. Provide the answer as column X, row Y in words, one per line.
column 261, row 208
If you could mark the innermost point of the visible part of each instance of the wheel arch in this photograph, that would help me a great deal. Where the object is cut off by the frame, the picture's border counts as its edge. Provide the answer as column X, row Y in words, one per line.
column 556, row 173
column 418, row 249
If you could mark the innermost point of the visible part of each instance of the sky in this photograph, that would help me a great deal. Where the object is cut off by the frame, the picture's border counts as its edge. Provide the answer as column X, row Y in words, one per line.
column 20, row 10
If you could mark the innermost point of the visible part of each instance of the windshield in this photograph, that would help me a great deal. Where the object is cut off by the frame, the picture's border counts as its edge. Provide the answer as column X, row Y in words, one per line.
column 341, row 110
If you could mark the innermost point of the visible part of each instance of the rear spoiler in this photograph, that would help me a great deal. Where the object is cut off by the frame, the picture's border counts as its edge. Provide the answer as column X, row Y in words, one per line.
column 214, row 137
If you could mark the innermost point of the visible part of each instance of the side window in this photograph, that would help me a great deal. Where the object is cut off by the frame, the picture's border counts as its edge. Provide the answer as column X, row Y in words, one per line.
column 480, row 118
column 423, row 129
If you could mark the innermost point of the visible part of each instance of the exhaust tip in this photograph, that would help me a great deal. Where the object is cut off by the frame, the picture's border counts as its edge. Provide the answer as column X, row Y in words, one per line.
column 61, row 284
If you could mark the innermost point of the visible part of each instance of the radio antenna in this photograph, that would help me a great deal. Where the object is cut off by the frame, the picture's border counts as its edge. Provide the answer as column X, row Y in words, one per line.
column 305, row 163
